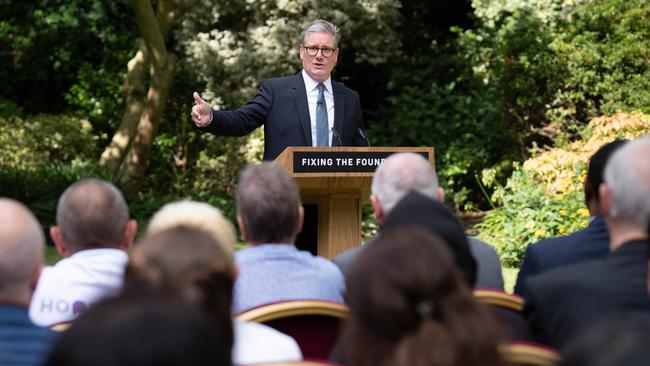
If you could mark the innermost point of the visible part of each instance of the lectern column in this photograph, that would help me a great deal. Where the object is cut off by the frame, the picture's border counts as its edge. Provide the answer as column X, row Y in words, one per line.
column 339, row 223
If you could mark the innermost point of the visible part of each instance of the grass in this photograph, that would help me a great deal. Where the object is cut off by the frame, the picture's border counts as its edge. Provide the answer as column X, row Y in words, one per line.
column 509, row 278
column 51, row 255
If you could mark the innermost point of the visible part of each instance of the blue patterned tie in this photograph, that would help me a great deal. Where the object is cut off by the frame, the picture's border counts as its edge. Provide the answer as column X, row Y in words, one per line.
column 322, row 130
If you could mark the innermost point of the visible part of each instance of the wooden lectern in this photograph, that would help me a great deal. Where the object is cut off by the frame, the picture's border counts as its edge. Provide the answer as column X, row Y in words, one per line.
column 338, row 180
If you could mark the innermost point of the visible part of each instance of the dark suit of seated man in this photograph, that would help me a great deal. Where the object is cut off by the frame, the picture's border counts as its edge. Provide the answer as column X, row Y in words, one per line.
column 587, row 244
column 564, row 301
column 296, row 110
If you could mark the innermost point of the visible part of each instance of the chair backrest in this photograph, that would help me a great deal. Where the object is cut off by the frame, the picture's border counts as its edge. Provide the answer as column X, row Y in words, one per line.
column 501, row 299
column 314, row 324
column 507, row 309
column 529, row 354
column 301, row 363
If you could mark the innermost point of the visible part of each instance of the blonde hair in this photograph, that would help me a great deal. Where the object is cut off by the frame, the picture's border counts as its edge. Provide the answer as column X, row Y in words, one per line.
column 195, row 215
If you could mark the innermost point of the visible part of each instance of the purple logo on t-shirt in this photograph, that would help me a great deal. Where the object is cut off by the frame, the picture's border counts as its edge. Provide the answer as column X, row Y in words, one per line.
column 78, row 307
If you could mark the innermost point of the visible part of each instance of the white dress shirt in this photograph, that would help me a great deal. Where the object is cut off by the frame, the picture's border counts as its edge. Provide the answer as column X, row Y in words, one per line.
column 311, row 86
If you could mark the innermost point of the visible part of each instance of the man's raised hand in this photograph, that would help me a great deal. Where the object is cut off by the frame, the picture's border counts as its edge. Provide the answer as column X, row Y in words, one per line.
column 201, row 111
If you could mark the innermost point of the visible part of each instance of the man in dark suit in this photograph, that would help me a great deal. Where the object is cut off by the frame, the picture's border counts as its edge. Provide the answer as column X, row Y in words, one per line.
column 397, row 176
column 306, row 109
column 590, row 243
column 564, row 301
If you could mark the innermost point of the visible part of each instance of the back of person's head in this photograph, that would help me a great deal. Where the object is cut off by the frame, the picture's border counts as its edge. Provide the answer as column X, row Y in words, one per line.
column 268, row 205
column 409, row 305
column 401, row 173
column 188, row 265
column 195, row 215
column 93, row 214
column 627, row 178
column 140, row 331
column 614, row 342
column 417, row 209
column 596, row 169
column 21, row 251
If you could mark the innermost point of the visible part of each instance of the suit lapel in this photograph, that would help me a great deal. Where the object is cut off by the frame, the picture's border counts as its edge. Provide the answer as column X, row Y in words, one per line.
column 302, row 107
column 339, row 107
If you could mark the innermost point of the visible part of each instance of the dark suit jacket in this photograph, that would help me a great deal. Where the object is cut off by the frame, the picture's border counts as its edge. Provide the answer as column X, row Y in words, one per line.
column 561, row 302
column 588, row 244
column 281, row 106
column 487, row 261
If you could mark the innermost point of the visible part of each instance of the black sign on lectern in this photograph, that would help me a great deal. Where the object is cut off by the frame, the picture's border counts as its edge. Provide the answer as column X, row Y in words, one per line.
column 340, row 161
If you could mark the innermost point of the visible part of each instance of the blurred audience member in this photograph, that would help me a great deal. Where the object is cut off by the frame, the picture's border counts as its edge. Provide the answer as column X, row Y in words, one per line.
column 409, row 305
column 21, row 259
column 590, row 243
column 142, row 331
column 195, row 215
column 191, row 266
column 93, row 233
column 272, row 269
column 620, row 342
column 400, row 174
column 563, row 301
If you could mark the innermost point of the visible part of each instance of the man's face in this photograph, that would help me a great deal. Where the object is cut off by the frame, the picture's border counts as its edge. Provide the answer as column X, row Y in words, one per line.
column 318, row 67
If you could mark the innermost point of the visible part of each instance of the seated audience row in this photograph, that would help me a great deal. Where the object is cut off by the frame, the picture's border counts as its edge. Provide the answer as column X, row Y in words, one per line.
column 409, row 289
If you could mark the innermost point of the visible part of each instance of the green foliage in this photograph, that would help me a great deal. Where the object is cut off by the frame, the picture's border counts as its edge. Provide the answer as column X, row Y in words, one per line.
column 46, row 139
column 544, row 196
column 528, row 214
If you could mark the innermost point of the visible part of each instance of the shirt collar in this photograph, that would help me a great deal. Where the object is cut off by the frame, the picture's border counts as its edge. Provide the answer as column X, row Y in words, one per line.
column 311, row 84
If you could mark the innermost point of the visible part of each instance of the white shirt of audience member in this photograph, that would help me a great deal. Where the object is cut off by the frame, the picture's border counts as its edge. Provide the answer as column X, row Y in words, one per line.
column 67, row 289
column 256, row 343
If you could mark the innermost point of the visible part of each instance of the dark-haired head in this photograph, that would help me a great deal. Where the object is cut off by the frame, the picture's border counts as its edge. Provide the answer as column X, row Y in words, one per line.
column 409, row 305
column 186, row 265
column 595, row 172
column 142, row 331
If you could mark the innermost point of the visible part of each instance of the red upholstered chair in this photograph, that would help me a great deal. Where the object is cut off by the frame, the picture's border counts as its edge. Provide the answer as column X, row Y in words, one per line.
column 529, row 354
column 314, row 324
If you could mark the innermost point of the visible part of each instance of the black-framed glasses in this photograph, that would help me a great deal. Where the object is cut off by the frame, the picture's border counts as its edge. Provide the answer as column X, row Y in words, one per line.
column 313, row 51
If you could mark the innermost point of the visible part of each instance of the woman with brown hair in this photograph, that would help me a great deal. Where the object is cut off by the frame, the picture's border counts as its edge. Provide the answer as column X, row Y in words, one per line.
column 409, row 306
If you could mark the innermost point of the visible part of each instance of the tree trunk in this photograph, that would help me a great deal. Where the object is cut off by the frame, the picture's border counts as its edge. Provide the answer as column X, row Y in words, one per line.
column 154, row 28
column 138, row 157
column 134, row 91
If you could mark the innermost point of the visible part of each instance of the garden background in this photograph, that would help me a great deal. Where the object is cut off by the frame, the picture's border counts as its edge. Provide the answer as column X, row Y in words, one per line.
column 514, row 95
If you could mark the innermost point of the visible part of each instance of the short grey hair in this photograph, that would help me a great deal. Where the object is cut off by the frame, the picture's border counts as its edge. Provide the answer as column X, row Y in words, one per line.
column 22, row 243
column 321, row 26
column 268, row 202
column 401, row 173
column 628, row 176
column 195, row 215
column 92, row 213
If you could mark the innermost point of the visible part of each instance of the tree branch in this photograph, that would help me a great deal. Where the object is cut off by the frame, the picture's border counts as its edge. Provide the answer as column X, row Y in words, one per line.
column 151, row 31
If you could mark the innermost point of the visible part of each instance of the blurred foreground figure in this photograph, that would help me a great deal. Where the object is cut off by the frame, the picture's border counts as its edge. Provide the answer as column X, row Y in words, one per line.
column 404, row 313
column 21, row 258
column 191, row 266
column 140, row 331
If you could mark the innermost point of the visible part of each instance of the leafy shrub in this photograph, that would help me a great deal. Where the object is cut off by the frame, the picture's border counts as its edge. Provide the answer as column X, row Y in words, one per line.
column 45, row 139
column 544, row 196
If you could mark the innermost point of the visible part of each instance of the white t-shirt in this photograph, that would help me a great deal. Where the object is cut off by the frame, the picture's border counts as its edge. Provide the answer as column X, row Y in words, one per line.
column 66, row 289
column 258, row 343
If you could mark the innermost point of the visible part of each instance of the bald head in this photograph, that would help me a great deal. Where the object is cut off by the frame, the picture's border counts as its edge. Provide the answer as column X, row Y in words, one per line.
column 21, row 251
column 92, row 214
column 401, row 173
